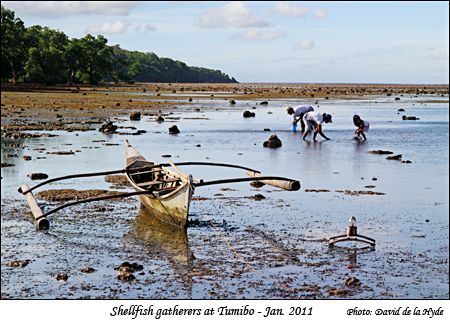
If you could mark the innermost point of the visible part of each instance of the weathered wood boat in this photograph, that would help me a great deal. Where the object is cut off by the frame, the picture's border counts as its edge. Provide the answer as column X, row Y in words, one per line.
column 163, row 191
column 168, row 193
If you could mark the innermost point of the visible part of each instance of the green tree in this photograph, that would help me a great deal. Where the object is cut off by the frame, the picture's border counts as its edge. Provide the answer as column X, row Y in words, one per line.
column 13, row 51
column 133, row 71
column 74, row 59
column 98, row 59
column 46, row 60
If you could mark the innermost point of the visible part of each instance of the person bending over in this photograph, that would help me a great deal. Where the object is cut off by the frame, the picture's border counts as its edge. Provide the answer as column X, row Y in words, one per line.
column 361, row 127
column 314, row 121
column 298, row 114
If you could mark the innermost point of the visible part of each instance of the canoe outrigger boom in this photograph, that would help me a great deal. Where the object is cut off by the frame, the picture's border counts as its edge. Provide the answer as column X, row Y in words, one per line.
column 156, row 185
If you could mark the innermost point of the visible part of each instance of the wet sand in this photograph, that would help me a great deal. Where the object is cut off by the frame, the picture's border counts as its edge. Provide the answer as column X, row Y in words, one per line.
column 280, row 237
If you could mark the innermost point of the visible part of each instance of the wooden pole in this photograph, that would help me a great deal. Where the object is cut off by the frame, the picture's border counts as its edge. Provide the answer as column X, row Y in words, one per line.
column 94, row 199
column 144, row 168
column 286, row 184
column 263, row 179
column 40, row 219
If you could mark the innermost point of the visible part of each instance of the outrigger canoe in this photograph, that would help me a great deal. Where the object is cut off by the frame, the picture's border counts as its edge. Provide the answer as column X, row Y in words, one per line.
column 163, row 191
column 169, row 193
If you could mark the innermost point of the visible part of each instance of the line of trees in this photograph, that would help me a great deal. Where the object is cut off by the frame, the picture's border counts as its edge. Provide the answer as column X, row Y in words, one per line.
column 42, row 55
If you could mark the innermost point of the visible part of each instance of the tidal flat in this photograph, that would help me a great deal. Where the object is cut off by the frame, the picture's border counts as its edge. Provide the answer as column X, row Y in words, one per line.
column 279, row 239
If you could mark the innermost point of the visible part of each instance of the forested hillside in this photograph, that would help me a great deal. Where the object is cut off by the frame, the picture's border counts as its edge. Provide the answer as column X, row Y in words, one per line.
column 38, row 54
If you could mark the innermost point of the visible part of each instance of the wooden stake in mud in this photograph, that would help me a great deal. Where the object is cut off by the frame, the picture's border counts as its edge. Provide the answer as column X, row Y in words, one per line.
column 42, row 222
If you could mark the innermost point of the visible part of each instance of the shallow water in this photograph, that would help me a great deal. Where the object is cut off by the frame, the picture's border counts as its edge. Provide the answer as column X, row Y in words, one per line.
column 280, row 242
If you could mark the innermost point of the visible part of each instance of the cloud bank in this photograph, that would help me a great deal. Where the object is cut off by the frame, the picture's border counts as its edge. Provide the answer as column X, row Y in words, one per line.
column 60, row 9
column 234, row 14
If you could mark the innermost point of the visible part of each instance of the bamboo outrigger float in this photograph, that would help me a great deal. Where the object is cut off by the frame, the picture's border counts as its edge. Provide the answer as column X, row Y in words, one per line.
column 165, row 192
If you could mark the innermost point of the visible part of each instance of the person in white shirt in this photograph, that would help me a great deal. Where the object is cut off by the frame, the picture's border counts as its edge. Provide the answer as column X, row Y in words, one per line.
column 298, row 114
column 314, row 122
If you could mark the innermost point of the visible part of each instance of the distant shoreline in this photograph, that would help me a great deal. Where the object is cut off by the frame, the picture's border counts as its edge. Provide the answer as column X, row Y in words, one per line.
column 77, row 108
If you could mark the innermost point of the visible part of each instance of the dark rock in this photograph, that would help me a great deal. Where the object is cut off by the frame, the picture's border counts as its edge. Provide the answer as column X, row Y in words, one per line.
column 380, row 152
column 26, row 157
column 406, row 161
column 338, row 292
column 7, row 165
column 190, row 100
column 258, row 197
column 352, row 282
column 248, row 114
column 401, row 110
column 70, row 152
column 166, row 156
column 257, row 184
column 117, row 104
column 87, row 270
column 125, row 271
column 374, row 178
column 18, row 263
column 232, row 102
column 174, row 130
column 37, row 176
column 266, row 129
column 135, row 116
column 409, row 118
column 108, row 127
column 63, row 277
column 397, row 99
column 264, row 103
column 272, row 142
column 395, row 157
column 159, row 119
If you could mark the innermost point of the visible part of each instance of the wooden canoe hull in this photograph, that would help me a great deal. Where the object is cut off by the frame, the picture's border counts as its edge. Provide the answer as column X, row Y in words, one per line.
column 171, row 207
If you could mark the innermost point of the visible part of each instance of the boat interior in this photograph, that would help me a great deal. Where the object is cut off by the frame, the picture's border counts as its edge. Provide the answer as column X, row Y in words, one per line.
column 150, row 176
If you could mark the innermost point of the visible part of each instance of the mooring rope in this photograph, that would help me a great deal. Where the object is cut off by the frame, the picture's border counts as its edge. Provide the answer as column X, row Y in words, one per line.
column 231, row 247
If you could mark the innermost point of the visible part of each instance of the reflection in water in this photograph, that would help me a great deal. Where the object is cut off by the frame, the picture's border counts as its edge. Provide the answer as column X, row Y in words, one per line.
column 160, row 239
column 352, row 254
column 163, row 242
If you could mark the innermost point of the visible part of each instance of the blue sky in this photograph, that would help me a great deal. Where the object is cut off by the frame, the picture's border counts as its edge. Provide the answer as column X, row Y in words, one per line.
column 264, row 41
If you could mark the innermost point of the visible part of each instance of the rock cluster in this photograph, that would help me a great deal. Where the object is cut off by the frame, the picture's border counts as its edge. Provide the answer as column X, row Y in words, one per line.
column 125, row 271
column 108, row 127
column 248, row 114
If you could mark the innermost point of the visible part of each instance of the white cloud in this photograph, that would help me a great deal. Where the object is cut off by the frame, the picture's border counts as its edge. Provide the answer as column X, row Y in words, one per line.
column 114, row 27
column 260, row 35
column 305, row 44
column 59, row 9
column 287, row 9
column 145, row 28
column 320, row 13
column 234, row 14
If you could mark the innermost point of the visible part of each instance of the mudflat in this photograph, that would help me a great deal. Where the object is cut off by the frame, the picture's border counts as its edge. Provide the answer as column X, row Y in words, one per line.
column 117, row 249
